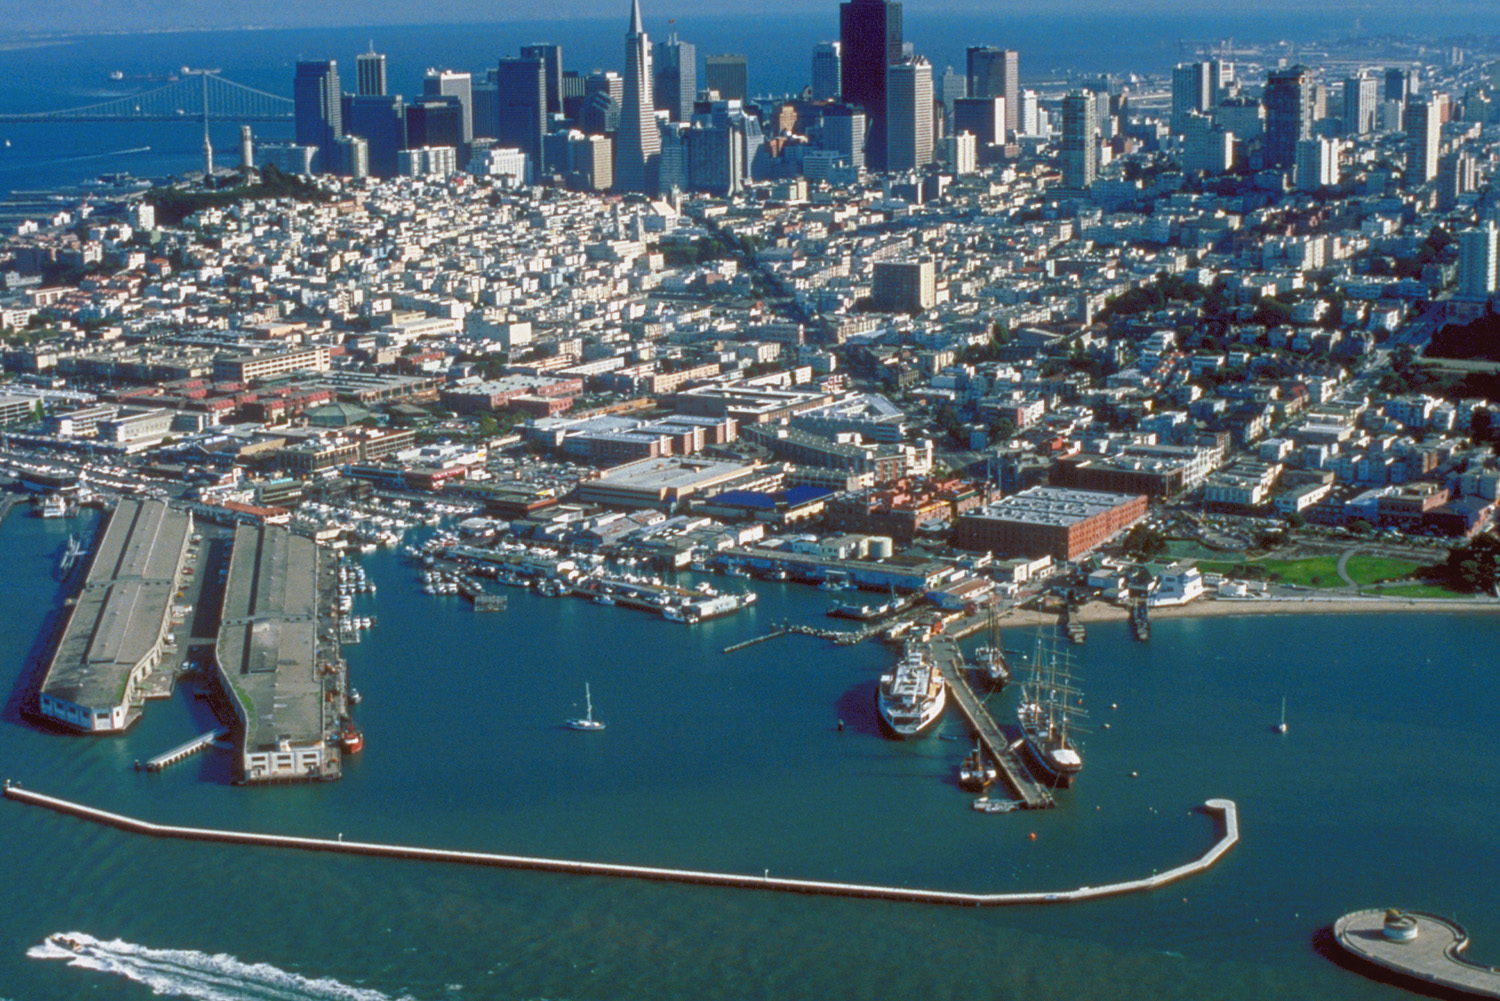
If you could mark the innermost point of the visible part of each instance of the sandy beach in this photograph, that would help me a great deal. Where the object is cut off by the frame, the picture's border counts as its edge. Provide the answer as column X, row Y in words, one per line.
column 1099, row 611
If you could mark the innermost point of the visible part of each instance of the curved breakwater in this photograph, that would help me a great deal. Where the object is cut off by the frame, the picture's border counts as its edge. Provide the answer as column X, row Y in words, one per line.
column 1224, row 809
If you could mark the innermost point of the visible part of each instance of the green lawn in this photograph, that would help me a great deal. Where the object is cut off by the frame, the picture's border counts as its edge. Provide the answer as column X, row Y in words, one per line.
column 1369, row 569
column 1314, row 571
column 1418, row 591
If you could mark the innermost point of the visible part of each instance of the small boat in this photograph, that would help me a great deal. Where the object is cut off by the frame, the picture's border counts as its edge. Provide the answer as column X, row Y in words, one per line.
column 354, row 697
column 66, row 942
column 1281, row 727
column 984, row 804
column 977, row 772
column 588, row 722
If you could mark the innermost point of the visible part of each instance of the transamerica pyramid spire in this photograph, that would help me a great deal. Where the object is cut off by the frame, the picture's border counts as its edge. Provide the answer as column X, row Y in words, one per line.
column 638, row 139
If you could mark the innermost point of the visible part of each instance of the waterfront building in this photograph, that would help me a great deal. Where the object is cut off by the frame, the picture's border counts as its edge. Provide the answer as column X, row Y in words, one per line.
column 727, row 75
column 521, row 107
column 638, row 139
column 318, row 107
column 369, row 68
column 1424, row 126
column 1049, row 521
column 1361, row 95
column 909, row 115
column 996, row 72
column 460, row 86
column 676, row 83
column 870, row 35
column 272, row 660
column 552, row 63
column 117, row 629
column 1288, row 98
column 1080, row 155
column 827, row 62
column 666, row 482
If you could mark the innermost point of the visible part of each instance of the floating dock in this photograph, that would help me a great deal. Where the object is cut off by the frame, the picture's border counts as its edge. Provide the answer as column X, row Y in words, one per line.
column 192, row 747
column 1222, row 808
column 1422, row 948
column 1013, row 771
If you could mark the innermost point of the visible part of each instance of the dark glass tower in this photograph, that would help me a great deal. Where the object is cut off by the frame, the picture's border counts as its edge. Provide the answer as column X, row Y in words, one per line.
column 997, row 73
column 676, row 82
column 551, row 57
column 318, row 107
column 381, row 122
column 370, row 72
column 1288, row 97
column 870, row 33
column 521, row 106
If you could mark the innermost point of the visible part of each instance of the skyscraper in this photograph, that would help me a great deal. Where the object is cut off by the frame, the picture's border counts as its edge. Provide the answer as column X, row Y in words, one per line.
column 370, row 69
column 844, row 128
column 1360, row 93
column 1080, row 119
column 727, row 74
column 521, row 106
column 1478, row 260
column 1397, row 85
column 433, row 122
column 827, row 60
column 1288, row 98
column 996, row 73
column 908, row 109
column 638, row 142
column 1317, row 163
column 449, row 83
column 984, row 119
column 1423, row 139
column 676, row 83
column 1192, row 93
column 381, row 122
column 318, row 107
column 870, row 36
column 552, row 64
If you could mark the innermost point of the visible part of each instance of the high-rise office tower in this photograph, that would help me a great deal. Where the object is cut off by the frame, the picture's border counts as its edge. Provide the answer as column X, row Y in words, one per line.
column 381, row 122
column 1478, row 260
column 676, row 83
column 870, row 33
column 318, row 107
column 449, row 83
column 1288, row 98
column 1221, row 81
column 908, row 112
column 1030, row 122
column 609, row 83
column 1080, row 120
column 638, row 141
column 1397, row 84
column 434, row 122
column 827, row 58
column 1423, row 139
column 996, row 73
column 521, row 107
column 952, row 86
column 843, row 131
column 552, row 65
column 370, row 70
column 1360, row 93
column 984, row 119
column 352, row 155
column 1192, row 92
column 1317, row 163
column 727, row 74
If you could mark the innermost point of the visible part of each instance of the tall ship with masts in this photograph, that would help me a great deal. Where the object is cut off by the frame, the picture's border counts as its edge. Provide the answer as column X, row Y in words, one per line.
column 989, row 666
column 1049, row 711
column 912, row 697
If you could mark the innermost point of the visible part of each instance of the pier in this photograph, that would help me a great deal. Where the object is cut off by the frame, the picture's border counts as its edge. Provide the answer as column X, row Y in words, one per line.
column 7, row 501
column 1422, row 948
column 1013, row 771
column 181, row 751
column 1222, row 808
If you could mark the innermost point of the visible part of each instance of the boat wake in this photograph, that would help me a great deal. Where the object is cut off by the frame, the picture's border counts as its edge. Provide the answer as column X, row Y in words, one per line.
column 191, row 974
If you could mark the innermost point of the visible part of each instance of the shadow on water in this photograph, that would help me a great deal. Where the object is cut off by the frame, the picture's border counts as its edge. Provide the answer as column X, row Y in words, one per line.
column 21, row 705
column 856, row 709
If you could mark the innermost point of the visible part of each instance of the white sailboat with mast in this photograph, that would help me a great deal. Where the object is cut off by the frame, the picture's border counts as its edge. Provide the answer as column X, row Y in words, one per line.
column 587, row 722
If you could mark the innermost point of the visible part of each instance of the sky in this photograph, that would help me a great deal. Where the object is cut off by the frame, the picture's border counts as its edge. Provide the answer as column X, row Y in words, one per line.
column 90, row 16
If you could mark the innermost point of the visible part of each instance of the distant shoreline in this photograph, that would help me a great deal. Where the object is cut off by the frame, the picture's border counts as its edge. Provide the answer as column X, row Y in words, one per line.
column 1098, row 611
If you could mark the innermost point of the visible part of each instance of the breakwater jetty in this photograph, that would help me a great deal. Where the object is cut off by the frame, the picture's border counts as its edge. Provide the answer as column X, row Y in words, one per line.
column 1224, row 809
column 1421, row 948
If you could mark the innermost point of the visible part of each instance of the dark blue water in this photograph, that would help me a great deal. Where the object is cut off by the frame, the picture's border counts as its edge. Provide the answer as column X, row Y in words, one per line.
column 1382, row 793
column 75, row 72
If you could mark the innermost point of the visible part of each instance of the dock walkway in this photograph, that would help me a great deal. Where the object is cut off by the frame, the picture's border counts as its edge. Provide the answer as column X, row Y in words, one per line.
column 1433, row 956
column 1222, row 808
column 7, row 501
column 1013, row 771
column 176, row 754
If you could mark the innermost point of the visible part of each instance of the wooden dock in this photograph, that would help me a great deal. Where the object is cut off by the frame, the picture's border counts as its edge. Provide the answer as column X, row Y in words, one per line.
column 1013, row 771
column 1223, row 809
column 1431, row 957
column 187, row 750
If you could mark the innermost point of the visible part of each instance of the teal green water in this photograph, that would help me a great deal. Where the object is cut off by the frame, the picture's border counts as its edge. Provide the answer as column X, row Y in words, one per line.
column 1384, row 792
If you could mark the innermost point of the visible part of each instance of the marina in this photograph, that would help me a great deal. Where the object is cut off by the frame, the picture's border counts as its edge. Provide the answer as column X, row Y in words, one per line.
column 1223, row 811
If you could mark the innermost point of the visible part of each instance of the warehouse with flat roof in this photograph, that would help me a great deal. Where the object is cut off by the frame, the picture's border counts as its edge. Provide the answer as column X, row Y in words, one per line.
column 117, row 628
column 270, row 660
column 1049, row 521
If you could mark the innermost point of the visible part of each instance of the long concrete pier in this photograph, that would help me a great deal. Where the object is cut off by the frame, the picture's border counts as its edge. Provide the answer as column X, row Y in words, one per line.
column 1013, row 771
column 1223, row 808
